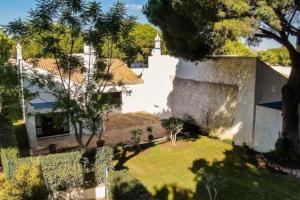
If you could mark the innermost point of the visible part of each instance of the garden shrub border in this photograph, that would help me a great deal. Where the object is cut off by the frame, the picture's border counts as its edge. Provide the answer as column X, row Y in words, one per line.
column 63, row 171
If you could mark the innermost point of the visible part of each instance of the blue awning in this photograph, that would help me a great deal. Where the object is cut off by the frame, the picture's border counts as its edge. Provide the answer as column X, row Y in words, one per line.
column 275, row 105
column 44, row 105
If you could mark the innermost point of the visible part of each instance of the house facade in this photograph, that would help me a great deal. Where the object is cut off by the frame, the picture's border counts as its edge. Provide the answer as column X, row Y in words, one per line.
column 238, row 98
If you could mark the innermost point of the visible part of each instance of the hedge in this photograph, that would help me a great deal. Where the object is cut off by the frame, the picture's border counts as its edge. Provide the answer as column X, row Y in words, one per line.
column 8, row 145
column 103, row 161
column 63, row 171
column 123, row 186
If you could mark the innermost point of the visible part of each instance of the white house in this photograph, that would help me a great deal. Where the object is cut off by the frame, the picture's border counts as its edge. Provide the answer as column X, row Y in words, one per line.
column 235, row 97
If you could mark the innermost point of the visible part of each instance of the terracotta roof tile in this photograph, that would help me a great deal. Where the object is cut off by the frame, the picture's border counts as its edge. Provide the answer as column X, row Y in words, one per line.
column 121, row 72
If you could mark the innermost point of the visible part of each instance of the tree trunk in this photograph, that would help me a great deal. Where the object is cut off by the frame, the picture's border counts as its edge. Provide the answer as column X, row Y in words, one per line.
column 290, row 101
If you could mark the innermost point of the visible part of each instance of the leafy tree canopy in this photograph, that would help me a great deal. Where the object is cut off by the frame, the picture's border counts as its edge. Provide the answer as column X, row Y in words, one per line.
column 277, row 56
column 194, row 29
column 8, row 78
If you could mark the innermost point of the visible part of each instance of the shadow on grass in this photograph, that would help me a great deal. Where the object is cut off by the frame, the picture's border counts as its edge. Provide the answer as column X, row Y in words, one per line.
column 126, row 153
column 238, row 178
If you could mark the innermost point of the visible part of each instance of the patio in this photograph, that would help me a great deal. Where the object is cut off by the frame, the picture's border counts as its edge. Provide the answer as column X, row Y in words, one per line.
column 118, row 132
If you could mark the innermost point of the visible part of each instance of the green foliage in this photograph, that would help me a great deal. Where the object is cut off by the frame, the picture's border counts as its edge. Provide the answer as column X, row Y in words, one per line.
column 8, row 145
column 26, row 184
column 103, row 161
column 62, row 171
column 187, row 32
column 173, row 124
column 194, row 29
column 277, row 56
column 5, row 46
column 57, row 27
column 8, row 78
column 144, row 35
column 125, row 187
column 236, row 48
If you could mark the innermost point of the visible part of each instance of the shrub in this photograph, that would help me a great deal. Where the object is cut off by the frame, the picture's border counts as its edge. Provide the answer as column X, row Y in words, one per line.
column 103, row 160
column 136, row 136
column 26, row 184
column 8, row 144
column 190, row 124
column 8, row 156
column 125, row 187
column 174, row 126
column 62, row 171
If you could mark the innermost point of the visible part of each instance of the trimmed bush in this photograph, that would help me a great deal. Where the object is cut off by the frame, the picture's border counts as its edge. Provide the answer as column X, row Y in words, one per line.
column 62, row 171
column 8, row 145
column 125, row 187
column 103, row 160
column 26, row 184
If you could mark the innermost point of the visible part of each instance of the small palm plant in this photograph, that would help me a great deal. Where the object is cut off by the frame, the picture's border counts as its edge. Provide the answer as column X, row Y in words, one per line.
column 136, row 137
column 150, row 133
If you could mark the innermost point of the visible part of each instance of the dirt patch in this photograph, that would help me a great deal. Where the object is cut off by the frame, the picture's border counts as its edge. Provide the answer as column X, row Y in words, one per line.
column 120, row 125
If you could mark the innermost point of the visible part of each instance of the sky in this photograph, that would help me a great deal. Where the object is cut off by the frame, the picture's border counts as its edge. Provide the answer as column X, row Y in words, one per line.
column 13, row 9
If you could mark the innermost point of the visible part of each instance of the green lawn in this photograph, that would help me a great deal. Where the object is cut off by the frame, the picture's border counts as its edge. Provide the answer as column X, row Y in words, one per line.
column 170, row 172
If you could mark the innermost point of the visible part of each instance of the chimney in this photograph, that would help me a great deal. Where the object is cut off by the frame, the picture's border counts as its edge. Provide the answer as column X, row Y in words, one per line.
column 89, row 57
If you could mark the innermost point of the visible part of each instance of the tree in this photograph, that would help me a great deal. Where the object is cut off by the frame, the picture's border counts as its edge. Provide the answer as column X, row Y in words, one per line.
column 144, row 35
column 8, row 78
column 277, row 56
column 236, row 48
column 194, row 29
column 86, row 102
column 174, row 126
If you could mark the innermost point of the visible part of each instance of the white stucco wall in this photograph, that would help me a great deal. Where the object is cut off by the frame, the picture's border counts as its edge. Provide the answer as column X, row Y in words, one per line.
column 234, row 71
column 152, row 95
column 268, row 123
column 156, row 94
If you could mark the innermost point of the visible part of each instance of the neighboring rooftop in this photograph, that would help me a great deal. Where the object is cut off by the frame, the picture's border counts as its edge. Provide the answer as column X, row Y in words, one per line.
column 122, row 73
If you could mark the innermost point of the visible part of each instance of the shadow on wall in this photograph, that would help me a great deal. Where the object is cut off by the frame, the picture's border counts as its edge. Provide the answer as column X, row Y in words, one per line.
column 217, row 93
column 237, row 179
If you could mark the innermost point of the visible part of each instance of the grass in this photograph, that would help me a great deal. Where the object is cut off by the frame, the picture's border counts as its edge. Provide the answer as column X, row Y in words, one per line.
column 170, row 173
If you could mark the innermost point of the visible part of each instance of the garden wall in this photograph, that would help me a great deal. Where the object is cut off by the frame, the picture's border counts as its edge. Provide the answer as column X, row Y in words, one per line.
column 268, row 124
column 219, row 93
